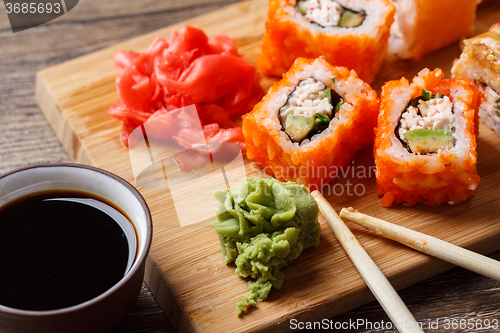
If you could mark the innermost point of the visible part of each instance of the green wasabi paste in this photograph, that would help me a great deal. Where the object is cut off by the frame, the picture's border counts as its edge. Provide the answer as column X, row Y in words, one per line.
column 263, row 225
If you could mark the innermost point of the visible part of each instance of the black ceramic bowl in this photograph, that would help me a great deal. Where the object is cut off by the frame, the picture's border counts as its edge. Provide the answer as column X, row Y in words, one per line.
column 104, row 312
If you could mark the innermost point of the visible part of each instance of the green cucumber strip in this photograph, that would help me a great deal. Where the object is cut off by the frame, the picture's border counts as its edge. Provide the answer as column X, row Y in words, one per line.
column 328, row 93
column 322, row 118
column 337, row 107
column 426, row 95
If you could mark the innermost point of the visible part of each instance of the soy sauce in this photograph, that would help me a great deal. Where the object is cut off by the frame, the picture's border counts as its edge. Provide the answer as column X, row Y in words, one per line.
column 59, row 249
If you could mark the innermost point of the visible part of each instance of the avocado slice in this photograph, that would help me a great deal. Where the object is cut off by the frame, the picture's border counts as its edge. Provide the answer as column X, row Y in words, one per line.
column 351, row 19
column 298, row 127
column 429, row 141
column 302, row 7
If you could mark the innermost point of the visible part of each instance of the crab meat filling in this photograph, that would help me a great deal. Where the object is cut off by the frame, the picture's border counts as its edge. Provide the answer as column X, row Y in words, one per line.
column 328, row 13
column 308, row 109
column 324, row 12
column 491, row 101
column 308, row 98
column 427, row 125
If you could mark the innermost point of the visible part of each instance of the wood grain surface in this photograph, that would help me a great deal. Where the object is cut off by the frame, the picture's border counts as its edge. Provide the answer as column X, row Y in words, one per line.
column 25, row 138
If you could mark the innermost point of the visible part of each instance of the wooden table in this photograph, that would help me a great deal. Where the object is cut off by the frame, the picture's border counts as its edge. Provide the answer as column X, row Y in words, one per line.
column 26, row 138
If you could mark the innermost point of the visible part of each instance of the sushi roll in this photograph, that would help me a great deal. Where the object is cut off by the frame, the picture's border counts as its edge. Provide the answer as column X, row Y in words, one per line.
column 480, row 61
column 350, row 33
column 425, row 143
column 424, row 26
column 311, row 123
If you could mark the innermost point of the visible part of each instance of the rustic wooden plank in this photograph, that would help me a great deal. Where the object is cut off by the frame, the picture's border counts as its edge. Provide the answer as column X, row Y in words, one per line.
column 25, row 136
column 203, row 302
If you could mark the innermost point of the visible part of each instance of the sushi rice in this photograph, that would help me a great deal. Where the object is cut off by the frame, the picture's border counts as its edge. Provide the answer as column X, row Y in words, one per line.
column 489, row 111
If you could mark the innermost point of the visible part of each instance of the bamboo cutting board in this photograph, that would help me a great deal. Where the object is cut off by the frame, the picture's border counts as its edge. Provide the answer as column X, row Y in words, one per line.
column 185, row 270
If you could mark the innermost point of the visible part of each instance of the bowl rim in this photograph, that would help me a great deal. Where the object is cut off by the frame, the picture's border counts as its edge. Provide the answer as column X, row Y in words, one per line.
column 129, row 275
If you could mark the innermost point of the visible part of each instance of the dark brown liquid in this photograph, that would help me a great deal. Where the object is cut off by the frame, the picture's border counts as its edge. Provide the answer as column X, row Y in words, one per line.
column 56, row 253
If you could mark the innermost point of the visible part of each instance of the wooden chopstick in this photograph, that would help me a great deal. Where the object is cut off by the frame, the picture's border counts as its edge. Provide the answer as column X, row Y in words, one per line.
column 427, row 244
column 373, row 276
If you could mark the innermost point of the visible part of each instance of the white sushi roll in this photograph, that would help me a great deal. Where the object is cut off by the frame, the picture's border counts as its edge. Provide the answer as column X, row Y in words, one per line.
column 423, row 26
